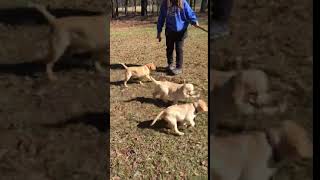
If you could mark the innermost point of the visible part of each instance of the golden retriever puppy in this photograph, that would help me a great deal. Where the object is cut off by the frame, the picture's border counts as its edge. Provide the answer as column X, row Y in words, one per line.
column 219, row 78
column 169, row 90
column 138, row 72
column 184, row 113
column 247, row 90
column 257, row 156
column 255, row 84
column 79, row 33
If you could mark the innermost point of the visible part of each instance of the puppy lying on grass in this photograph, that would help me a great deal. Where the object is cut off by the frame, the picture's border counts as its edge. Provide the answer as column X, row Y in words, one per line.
column 258, row 155
column 184, row 113
column 169, row 90
column 80, row 33
column 138, row 72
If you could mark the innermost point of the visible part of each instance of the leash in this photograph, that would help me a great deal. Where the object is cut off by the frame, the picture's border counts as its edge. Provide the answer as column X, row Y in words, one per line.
column 201, row 28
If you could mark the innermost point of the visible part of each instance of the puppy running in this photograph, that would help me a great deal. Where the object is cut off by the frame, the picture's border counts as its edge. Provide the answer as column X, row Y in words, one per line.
column 138, row 72
column 184, row 113
column 258, row 155
column 82, row 33
column 166, row 89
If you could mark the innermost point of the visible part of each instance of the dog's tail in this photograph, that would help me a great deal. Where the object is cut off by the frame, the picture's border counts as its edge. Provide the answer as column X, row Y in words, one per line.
column 51, row 19
column 126, row 67
column 153, row 80
column 157, row 118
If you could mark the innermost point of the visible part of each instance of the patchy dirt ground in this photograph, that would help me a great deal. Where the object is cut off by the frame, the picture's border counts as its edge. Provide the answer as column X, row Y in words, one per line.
column 50, row 130
column 138, row 151
column 275, row 36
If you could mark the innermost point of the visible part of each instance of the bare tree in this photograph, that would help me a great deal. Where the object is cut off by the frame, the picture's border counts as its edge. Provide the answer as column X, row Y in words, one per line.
column 126, row 7
column 135, row 6
column 204, row 4
column 152, row 4
column 144, row 7
column 158, row 6
column 117, row 8
column 112, row 7
column 191, row 3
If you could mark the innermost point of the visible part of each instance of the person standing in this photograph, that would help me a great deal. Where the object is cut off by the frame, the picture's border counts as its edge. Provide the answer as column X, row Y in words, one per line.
column 177, row 14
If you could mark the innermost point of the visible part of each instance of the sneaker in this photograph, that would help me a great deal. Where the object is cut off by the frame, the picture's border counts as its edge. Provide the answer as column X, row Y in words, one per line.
column 170, row 67
column 177, row 71
column 218, row 30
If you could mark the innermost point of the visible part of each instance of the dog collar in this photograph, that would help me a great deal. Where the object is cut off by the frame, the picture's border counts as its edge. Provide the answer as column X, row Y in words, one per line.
column 274, row 159
column 195, row 108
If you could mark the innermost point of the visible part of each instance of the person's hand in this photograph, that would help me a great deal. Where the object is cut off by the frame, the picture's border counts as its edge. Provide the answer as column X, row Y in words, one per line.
column 159, row 37
column 196, row 24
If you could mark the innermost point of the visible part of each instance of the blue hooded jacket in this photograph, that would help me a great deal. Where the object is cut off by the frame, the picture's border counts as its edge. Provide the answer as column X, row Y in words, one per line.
column 176, row 19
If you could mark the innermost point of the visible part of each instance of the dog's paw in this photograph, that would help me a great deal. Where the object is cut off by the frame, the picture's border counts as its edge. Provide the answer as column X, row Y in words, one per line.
column 141, row 83
column 180, row 133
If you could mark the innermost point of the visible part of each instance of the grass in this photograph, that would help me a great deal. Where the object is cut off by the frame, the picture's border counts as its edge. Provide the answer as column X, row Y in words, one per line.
column 138, row 152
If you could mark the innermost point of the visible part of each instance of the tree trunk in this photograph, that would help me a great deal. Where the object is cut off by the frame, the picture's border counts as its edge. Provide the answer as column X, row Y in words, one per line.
column 204, row 4
column 117, row 8
column 135, row 7
column 152, row 4
column 194, row 5
column 112, row 7
column 144, row 6
column 158, row 6
column 126, row 7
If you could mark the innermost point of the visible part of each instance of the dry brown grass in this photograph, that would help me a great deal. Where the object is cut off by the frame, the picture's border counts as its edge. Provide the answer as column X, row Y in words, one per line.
column 138, row 152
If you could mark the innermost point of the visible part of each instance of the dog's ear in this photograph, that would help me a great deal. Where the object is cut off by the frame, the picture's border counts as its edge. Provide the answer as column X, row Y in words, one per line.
column 151, row 66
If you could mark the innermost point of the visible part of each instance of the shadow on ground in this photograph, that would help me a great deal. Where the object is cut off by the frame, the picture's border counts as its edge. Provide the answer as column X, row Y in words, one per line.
column 160, row 126
column 97, row 120
column 157, row 102
column 30, row 16
column 119, row 66
column 33, row 67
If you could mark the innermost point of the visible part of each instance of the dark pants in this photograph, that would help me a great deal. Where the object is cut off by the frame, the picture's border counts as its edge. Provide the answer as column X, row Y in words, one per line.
column 175, row 40
column 221, row 9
